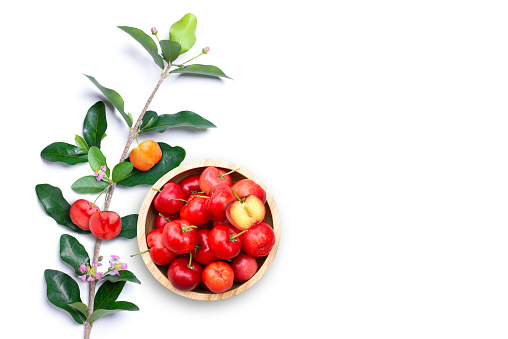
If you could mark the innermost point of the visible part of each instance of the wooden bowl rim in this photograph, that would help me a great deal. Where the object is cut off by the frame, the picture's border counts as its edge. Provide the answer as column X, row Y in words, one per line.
column 141, row 227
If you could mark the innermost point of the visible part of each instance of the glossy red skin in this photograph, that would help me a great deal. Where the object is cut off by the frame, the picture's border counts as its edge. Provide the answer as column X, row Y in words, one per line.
column 220, row 197
column 182, row 277
column 258, row 241
column 218, row 276
column 203, row 254
column 81, row 211
column 178, row 240
column 194, row 210
column 210, row 178
column 159, row 253
column 165, row 206
column 161, row 220
column 245, row 187
column 244, row 267
column 105, row 225
column 220, row 243
column 190, row 184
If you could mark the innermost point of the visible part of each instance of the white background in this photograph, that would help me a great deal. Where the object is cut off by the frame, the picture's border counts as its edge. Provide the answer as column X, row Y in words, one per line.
column 380, row 128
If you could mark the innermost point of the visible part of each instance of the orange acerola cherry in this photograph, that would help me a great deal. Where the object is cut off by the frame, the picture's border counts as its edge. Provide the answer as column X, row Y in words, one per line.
column 146, row 155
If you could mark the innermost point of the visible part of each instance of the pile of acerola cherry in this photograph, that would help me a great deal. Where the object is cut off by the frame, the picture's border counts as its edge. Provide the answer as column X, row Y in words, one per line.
column 209, row 230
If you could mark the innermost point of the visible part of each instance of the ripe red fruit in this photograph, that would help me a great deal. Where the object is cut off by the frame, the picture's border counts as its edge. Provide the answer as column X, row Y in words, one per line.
column 190, row 184
column 183, row 275
column 180, row 236
column 220, row 197
column 170, row 199
column 244, row 266
column 258, row 240
column 81, row 211
column 194, row 210
column 218, row 276
column 159, row 253
column 246, row 187
column 212, row 176
column 105, row 225
column 202, row 253
column 225, row 241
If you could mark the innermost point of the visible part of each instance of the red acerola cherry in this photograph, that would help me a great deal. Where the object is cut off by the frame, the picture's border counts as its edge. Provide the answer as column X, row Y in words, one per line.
column 159, row 253
column 180, row 236
column 218, row 276
column 190, row 184
column 170, row 199
column 185, row 275
column 244, row 266
column 212, row 176
column 194, row 210
column 202, row 253
column 259, row 240
column 105, row 225
column 220, row 197
column 225, row 241
column 81, row 211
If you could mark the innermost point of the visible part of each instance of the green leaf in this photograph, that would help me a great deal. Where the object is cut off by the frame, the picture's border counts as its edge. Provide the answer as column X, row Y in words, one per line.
column 95, row 124
column 114, row 98
column 148, row 120
column 96, row 159
column 146, row 41
column 73, row 253
column 170, row 50
column 64, row 152
column 56, row 206
column 183, row 118
column 184, row 32
column 81, row 143
column 62, row 290
column 171, row 158
column 124, row 275
column 107, row 294
column 129, row 226
column 121, row 170
column 79, row 306
column 89, row 184
column 117, row 306
column 198, row 69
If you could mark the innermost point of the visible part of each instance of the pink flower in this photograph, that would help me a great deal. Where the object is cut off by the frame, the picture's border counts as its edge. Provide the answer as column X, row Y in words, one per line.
column 100, row 173
column 206, row 50
column 154, row 31
column 124, row 266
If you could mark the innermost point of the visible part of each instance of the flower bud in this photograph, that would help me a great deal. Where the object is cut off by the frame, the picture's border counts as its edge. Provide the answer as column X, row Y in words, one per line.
column 154, row 31
column 206, row 50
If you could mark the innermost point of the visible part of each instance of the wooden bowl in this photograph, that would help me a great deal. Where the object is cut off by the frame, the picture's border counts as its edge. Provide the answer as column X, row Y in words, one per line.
column 148, row 213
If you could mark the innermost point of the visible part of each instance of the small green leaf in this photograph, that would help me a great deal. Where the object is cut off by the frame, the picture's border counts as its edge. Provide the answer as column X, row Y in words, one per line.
column 107, row 293
column 184, row 31
column 117, row 306
column 81, row 143
column 148, row 120
column 96, row 159
column 171, row 158
column 170, row 50
column 146, row 41
column 89, row 184
column 56, row 206
column 121, row 170
column 183, row 118
column 79, row 306
column 95, row 124
column 114, row 98
column 129, row 226
column 197, row 69
column 62, row 290
column 124, row 275
column 73, row 253
column 64, row 152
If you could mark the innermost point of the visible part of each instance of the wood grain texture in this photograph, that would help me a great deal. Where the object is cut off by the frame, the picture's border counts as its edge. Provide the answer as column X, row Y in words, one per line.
column 147, row 215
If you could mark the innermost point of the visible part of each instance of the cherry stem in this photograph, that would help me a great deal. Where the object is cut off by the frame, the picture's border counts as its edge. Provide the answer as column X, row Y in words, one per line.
column 233, row 237
column 232, row 171
column 236, row 195
column 186, row 228
column 177, row 199
column 190, row 261
column 156, row 189
column 133, row 255
column 163, row 217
